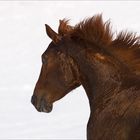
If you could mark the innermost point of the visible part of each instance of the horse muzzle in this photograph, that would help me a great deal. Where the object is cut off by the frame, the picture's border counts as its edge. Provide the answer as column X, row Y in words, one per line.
column 41, row 105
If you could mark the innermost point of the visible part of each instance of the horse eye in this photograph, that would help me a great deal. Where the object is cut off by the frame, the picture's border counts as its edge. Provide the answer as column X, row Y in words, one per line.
column 44, row 61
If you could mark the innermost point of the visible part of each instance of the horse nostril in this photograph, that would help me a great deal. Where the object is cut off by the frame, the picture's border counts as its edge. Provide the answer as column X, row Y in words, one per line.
column 44, row 106
column 41, row 105
column 33, row 99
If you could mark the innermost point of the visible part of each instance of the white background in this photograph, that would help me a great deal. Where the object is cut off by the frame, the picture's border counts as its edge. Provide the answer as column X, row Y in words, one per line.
column 22, row 41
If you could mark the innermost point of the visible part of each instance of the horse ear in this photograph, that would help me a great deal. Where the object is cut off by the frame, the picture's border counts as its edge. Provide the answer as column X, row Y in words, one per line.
column 52, row 34
column 64, row 28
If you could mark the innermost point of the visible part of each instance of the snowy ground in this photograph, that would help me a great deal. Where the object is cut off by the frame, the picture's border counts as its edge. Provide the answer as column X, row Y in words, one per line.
column 23, row 40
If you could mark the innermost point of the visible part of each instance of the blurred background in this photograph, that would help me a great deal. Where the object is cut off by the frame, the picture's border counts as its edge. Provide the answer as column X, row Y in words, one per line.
column 22, row 41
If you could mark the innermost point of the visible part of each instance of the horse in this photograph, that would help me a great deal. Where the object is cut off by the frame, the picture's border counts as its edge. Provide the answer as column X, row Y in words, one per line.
column 108, row 68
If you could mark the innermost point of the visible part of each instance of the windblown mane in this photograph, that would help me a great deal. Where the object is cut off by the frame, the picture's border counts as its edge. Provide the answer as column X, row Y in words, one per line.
column 94, row 30
column 127, row 40
column 125, row 46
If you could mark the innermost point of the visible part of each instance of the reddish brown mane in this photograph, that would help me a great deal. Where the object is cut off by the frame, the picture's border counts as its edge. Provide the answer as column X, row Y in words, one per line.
column 127, row 39
column 95, row 30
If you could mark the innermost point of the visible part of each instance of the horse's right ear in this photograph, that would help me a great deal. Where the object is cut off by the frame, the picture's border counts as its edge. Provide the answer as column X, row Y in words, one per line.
column 52, row 34
column 64, row 28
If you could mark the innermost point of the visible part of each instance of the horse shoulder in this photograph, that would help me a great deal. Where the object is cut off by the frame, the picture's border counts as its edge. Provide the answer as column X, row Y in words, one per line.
column 119, row 119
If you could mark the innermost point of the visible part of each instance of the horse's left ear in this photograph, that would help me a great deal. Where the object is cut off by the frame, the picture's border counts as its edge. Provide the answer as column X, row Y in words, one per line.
column 52, row 34
column 64, row 28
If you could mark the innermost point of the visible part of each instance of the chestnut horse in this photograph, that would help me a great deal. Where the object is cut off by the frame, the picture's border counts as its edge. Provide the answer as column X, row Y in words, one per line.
column 108, row 68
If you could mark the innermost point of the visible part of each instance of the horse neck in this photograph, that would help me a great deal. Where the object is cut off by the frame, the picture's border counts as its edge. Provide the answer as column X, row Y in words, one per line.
column 101, row 74
column 129, row 56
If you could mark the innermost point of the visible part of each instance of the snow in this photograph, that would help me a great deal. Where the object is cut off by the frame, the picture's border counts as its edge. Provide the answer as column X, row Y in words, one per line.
column 23, row 40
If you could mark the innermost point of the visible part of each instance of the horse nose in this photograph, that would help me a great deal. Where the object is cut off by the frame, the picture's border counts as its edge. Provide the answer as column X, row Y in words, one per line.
column 34, row 100
column 44, row 106
column 41, row 105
